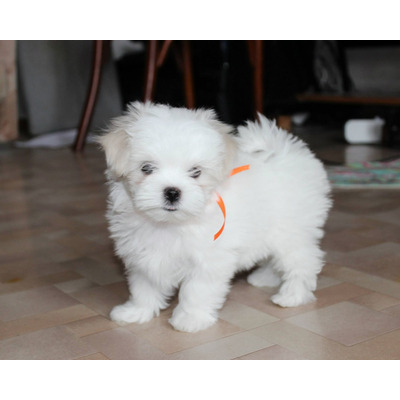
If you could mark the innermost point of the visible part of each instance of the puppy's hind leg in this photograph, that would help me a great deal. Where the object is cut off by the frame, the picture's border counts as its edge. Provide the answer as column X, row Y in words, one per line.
column 266, row 274
column 300, row 268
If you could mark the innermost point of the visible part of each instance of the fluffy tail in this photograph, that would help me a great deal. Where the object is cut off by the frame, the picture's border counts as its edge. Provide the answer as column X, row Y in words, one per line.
column 264, row 137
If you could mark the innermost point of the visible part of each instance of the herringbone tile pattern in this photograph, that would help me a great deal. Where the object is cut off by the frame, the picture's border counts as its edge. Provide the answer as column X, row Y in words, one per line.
column 59, row 278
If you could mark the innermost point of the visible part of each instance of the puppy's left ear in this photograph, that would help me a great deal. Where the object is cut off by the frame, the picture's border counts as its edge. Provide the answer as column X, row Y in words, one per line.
column 116, row 145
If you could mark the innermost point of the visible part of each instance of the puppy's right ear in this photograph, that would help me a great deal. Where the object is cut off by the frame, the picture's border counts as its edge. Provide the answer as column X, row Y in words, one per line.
column 116, row 145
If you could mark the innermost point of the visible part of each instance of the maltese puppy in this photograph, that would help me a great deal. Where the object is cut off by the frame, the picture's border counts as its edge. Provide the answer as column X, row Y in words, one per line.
column 191, row 203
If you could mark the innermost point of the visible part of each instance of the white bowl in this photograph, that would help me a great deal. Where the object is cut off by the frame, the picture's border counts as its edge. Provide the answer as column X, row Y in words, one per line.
column 363, row 131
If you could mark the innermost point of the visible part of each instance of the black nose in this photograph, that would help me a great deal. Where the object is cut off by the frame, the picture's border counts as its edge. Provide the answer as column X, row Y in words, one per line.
column 172, row 194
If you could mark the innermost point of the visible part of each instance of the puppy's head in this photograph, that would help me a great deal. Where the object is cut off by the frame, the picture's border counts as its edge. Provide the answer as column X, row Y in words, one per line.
column 172, row 159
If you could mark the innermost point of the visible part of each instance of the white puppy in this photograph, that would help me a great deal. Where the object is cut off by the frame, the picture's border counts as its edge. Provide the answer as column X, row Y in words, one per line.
column 179, row 219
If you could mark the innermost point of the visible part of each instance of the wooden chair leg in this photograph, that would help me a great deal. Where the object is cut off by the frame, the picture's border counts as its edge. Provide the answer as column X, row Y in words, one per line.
column 284, row 122
column 151, row 70
column 258, row 76
column 155, row 60
column 188, row 74
column 163, row 52
column 91, row 97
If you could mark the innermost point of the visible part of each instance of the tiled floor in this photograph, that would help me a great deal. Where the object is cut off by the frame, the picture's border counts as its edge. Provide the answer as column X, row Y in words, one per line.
column 59, row 278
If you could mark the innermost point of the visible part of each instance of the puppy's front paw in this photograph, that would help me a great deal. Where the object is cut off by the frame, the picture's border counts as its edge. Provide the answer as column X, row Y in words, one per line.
column 127, row 313
column 293, row 300
column 191, row 322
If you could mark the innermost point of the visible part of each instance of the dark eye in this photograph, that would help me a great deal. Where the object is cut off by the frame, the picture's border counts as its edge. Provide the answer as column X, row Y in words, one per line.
column 195, row 172
column 147, row 168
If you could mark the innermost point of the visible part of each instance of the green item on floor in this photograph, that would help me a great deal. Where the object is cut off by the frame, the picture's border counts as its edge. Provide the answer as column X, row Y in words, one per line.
column 368, row 175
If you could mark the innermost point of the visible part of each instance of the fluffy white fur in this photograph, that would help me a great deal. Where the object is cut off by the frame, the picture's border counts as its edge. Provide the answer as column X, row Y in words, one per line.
column 275, row 211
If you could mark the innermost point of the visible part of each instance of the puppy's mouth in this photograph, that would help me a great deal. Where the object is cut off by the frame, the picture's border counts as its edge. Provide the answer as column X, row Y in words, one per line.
column 170, row 208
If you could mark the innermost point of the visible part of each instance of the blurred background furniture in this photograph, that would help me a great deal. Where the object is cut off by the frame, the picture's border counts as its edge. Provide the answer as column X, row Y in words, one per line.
column 157, row 52
column 156, row 56
column 325, row 82
column 53, row 78
column 155, row 59
column 362, row 78
column 8, row 92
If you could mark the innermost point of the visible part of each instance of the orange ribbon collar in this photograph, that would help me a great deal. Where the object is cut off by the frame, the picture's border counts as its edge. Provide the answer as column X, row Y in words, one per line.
column 220, row 202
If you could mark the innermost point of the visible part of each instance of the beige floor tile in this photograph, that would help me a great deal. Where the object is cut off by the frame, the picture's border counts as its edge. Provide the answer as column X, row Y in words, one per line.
column 24, row 233
column 108, row 257
column 121, row 344
column 59, row 253
column 62, row 222
column 384, row 231
column 343, row 221
column 339, row 221
column 395, row 310
column 56, row 343
column 382, row 260
column 303, row 342
column 23, row 246
column 274, row 352
column 100, row 237
column 81, row 246
column 334, row 257
column 337, row 293
column 120, row 289
column 387, row 267
column 28, row 268
column 348, row 240
column 376, row 301
column 44, row 320
column 75, row 285
column 34, row 301
column 326, row 281
column 89, row 326
column 162, row 335
column 346, row 323
column 92, row 219
column 322, row 283
column 243, row 316
column 368, row 281
column 19, row 283
column 374, row 253
column 55, row 234
column 258, row 299
column 365, row 202
column 100, row 299
column 224, row 349
column 393, row 216
column 95, row 357
column 98, row 272
column 383, row 347
column 59, row 277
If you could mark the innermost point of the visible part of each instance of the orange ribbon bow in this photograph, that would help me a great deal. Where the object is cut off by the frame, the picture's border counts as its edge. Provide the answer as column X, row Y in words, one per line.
column 220, row 202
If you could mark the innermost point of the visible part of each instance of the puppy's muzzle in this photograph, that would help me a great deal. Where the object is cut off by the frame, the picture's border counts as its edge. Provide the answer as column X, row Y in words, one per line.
column 172, row 195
